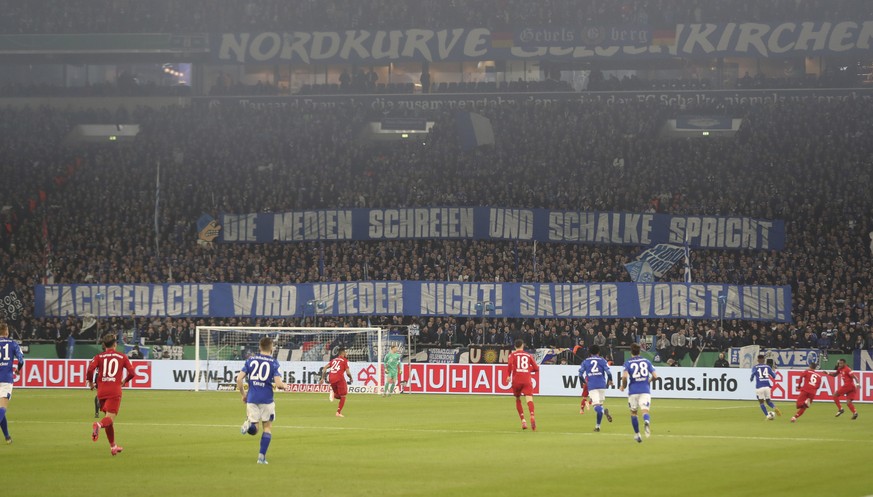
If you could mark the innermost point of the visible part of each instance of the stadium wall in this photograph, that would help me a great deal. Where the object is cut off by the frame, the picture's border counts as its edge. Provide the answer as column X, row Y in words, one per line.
column 563, row 381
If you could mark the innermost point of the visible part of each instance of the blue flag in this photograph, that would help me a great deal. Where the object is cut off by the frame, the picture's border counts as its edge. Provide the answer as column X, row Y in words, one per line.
column 654, row 262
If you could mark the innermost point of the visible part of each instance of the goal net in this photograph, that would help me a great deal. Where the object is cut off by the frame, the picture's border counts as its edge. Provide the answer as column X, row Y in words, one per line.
column 302, row 352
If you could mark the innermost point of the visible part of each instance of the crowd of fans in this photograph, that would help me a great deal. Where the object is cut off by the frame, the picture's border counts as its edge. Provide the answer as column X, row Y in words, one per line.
column 86, row 214
column 168, row 16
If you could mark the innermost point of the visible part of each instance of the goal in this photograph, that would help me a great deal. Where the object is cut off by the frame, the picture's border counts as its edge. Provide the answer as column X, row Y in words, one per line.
column 220, row 351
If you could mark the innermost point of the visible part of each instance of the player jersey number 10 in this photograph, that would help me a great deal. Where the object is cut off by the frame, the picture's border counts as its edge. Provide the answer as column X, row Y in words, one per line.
column 110, row 367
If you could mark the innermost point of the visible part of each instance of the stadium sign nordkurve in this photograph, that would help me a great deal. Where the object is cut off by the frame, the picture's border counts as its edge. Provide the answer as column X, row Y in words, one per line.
column 420, row 298
column 747, row 39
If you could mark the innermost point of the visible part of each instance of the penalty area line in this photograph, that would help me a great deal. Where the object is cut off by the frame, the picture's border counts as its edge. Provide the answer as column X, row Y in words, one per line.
column 459, row 432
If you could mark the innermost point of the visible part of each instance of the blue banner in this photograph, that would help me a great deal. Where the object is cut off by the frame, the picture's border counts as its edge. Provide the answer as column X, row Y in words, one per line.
column 748, row 39
column 497, row 223
column 420, row 298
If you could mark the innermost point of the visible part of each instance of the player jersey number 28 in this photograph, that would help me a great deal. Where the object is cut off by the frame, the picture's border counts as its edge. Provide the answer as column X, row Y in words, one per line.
column 639, row 370
column 260, row 370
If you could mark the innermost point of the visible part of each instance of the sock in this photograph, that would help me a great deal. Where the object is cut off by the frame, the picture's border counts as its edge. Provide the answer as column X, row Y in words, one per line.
column 96, row 405
column 530, row 408
column 389, row 388
column 599, row 411
column 763, row 408
column 636, row 424
column 851, row 406
column 771, row 404
column 341, row 404
column 800, row 412
column 3, row 425
column 265, row 442
column 110, row 434
column 519, row 408
column 646, row 417
column 106, row 422
column 837, row 402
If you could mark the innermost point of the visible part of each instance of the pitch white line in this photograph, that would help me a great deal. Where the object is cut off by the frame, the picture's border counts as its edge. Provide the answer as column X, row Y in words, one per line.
column 462, row 432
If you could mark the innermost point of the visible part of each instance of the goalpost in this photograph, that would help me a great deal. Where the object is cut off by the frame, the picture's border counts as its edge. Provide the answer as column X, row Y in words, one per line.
column 226, row 347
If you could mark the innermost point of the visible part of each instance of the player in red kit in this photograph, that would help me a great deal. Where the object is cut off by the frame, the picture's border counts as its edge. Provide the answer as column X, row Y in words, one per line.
column 338, row 370
column 521, row 365
column 810, row 381
column 110, row 367
column 847, row 388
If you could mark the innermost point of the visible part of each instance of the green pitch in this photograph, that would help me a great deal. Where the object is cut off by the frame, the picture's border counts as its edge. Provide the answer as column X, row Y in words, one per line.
column 188, row 444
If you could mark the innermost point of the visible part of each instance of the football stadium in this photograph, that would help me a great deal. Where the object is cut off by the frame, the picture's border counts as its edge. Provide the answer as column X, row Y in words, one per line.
column 436, row 248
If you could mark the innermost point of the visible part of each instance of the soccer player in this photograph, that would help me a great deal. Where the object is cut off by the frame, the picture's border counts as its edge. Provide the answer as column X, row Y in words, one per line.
column 338, row 370
column 594, row 371
column 109, row 366
column 392, row 363
column 519, row 369
column 848, row 387
column 762, row 374
column 810, row 380
column 262, row 372
column 638, row 374
column 9, row 351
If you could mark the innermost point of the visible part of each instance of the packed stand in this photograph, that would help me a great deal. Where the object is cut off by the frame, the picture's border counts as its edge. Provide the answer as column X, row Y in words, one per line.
column 806, row 163
column 168, row 16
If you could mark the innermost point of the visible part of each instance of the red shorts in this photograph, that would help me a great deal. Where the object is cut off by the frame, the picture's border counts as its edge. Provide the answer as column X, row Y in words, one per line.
column 804, row 399
column 110, row 405
column 340, row 388
column 525, row 388
column 849, row 391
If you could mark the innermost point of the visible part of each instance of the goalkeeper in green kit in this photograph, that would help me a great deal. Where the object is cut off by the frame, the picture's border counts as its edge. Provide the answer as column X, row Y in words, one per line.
column 392, row 364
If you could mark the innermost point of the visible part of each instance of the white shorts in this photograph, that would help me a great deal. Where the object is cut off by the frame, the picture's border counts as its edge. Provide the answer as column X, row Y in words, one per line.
column 597, row 396
column 763, row 393
column 639, row 401
column 261, row 412
column 5, row 390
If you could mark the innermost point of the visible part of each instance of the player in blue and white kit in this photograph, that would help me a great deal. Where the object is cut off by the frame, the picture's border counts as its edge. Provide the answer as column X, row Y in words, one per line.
column 640, row 372
column 262, row 372
column 595, row 372
column 761, row 375
column 9, row 351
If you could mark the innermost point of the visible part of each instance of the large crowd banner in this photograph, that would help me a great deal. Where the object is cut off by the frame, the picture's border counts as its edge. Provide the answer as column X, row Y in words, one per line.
column 482, row 101
column 420, row 298
column 745, row 39
column 498, row 223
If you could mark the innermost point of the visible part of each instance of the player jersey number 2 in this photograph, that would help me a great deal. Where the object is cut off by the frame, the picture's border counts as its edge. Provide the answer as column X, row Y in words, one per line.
column 110, row 366
column 639, row 370
column 260, row 370
column 594, row 369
